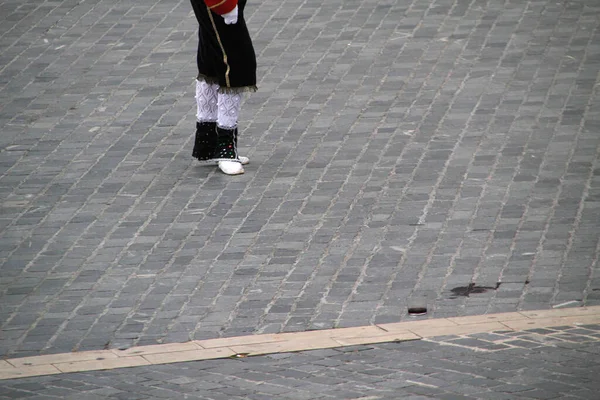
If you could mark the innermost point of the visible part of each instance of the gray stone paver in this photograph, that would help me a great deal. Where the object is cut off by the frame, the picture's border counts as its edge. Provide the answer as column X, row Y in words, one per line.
column 400, row 152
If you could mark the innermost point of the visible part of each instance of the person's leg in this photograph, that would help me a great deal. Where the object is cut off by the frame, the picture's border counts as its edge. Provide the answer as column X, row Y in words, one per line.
column 207, row 112
column 226, row 154
column 206, row 121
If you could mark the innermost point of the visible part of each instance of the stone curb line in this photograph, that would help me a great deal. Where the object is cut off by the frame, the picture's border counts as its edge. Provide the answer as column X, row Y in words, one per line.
column 253, row 345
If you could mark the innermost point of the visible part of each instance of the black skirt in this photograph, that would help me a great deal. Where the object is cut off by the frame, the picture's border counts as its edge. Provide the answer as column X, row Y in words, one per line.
column 225, row 52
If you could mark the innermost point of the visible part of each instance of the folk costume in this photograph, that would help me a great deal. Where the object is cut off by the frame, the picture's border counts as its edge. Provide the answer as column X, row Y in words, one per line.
column 226, row 68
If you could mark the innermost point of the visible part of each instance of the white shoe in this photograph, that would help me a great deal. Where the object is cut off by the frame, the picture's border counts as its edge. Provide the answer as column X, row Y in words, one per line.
column 243, row 160
column 231, row 167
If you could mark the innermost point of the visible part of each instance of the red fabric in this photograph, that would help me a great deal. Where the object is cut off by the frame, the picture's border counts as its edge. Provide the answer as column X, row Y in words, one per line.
column 221, row 6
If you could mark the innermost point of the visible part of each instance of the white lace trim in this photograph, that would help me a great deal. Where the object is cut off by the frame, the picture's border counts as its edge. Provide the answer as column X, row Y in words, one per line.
column 228, row 109
column 206, row 101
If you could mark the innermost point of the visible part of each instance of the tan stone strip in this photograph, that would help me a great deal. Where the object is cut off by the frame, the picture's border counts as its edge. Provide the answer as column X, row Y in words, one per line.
column 25, row 362
column 101, row 364
column 184, row 356
column 35, row 370
column 244, row 346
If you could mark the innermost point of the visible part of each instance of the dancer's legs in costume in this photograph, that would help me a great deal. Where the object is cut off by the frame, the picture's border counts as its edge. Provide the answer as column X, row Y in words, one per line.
column 207, row 114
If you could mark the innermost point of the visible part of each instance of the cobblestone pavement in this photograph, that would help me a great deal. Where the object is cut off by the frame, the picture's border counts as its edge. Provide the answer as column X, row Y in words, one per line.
column 441, row 152
column 556, row 363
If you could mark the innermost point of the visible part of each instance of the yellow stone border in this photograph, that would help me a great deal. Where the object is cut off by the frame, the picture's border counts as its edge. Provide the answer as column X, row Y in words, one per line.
column 245, row 346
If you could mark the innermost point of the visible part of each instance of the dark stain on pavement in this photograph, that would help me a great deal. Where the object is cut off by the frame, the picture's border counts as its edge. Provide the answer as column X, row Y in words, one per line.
column 472, row 288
